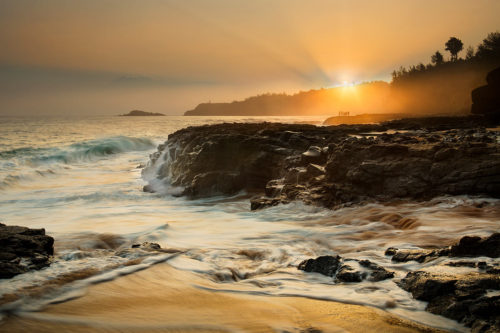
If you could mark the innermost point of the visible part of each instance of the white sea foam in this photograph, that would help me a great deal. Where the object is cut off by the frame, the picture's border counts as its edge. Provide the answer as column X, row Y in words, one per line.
column 94, row 206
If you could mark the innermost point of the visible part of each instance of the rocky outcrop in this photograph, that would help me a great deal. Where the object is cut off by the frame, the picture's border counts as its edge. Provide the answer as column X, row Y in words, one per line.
column 471, row 296
column 346, row 270
column 486, row 99
column 468, row 246
column 23, row 249
column 462, row 297
column 332, row 166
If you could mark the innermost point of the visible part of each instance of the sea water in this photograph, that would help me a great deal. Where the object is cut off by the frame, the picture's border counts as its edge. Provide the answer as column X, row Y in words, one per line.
column 80, row 179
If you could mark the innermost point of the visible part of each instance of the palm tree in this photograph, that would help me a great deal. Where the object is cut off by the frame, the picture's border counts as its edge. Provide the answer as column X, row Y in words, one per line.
column 454, row 45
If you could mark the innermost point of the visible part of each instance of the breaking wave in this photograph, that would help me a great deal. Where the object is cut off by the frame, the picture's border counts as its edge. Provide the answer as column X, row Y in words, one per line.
column 79, row 152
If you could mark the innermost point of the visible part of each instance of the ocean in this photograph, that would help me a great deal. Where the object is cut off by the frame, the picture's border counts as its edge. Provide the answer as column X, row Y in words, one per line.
column 81, row 180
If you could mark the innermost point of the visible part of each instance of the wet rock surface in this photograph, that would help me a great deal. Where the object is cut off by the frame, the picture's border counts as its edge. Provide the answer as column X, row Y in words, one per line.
column 468, row 246
column 469, row 295
column 23, row 249
column 332, row 166
column 346, row 270
column 462, row 297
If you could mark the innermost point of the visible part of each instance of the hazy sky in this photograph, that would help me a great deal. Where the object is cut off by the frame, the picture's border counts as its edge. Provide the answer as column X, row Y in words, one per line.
column 111, row 56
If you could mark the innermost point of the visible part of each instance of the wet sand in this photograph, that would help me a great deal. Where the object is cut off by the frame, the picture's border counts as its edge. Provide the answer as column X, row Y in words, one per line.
column 164, row 299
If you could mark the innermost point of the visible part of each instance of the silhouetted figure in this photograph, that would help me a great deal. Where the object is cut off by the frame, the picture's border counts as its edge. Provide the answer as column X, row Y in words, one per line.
column 454, row 45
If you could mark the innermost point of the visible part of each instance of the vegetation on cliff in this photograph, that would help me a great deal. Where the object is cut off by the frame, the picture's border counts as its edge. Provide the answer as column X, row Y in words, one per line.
column 440, row 87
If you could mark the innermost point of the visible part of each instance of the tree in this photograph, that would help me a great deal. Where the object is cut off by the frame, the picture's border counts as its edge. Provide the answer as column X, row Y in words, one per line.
column 437, row 58
column 454, row 45
column 469, row 53
column 490, row 47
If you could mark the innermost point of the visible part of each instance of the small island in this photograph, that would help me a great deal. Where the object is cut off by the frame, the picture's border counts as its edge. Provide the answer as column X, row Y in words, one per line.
column 135, row 113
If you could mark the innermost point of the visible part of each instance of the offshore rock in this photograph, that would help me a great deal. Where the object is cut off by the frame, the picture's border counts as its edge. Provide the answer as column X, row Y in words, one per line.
column 23, row 249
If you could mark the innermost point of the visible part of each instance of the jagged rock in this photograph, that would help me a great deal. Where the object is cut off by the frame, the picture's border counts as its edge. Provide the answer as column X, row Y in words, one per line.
column 23, row 249
column 326, row 265
column 347, row 273
column 378, row 273
column 355, row 271
column 475, row 246
column 313, row 155
column 418, row 255
column 462, row 297
column 439, row 156
column 468, row 246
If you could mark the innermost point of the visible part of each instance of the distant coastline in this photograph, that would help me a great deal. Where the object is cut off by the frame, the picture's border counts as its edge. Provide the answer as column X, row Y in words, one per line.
column 136, row 113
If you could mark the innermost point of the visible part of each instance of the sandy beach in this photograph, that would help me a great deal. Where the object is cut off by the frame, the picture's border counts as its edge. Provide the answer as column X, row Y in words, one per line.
column 160, row 299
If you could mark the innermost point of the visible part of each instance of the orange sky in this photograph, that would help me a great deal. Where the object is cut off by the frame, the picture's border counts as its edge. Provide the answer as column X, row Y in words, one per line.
column 107, row 57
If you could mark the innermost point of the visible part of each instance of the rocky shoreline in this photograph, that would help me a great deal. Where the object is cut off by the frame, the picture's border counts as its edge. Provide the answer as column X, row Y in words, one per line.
column 332, row 166
column 471, row 297
column 337, row 166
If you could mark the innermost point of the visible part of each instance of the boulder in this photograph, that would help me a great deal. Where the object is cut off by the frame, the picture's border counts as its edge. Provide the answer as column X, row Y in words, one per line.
column 486, row 99
column 23, row 249
column 346, row 270
column 326, row 265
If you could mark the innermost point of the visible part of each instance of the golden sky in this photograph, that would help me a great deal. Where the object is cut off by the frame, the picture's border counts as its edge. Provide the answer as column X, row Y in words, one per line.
column 110, row 56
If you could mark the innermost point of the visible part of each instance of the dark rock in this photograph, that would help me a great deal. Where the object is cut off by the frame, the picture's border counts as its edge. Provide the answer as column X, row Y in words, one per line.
column 475, row 246
column 419, row 255
column 493, row 77
column 313, row 155
column 263, row 202
column 447, row 156
column 135, row 113
column 486, row 99
column 461, row 297
column 468, row 246
column 342, row 272
column 147, row 246
column 326, row 265
column 348, row 274
column 378, row 273
column 31, row 245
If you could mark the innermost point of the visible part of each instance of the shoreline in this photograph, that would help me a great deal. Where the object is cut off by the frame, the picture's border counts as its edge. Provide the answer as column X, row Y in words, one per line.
column 160, row 299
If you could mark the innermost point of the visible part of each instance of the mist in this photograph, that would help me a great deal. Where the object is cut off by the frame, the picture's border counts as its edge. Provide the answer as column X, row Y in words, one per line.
column 97, row 57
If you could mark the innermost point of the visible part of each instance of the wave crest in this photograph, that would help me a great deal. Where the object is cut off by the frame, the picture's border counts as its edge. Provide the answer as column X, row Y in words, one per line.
column 81, row 151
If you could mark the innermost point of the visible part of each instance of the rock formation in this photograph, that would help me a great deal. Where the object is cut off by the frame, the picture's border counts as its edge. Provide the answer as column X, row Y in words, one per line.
column 471, row 297
column 486, row 99
column 332, row 166
column 23, row 249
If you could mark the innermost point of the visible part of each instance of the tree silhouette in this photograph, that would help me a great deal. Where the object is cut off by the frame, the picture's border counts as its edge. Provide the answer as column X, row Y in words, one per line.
column 437, row 58
column 490, row 47
column 469, row 53
column 454, row 45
